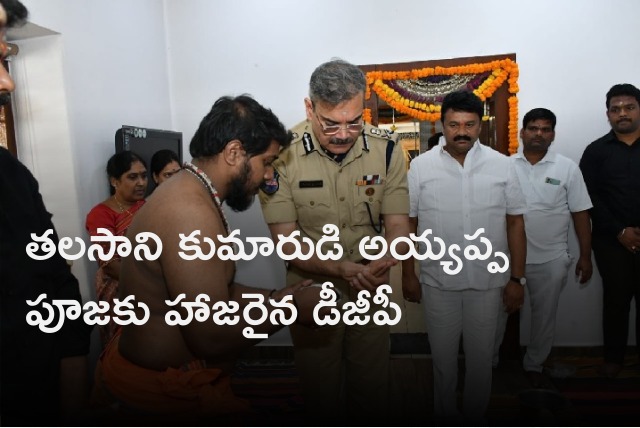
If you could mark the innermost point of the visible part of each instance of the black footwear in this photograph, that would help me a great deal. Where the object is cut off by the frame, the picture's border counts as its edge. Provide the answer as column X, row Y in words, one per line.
column 536, row 379
column 609, row 370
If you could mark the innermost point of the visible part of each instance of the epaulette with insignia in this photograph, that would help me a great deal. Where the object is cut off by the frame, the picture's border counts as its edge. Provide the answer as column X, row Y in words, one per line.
column 300, row 133
column 300, row 128
column 307, row 142
column 379, row 133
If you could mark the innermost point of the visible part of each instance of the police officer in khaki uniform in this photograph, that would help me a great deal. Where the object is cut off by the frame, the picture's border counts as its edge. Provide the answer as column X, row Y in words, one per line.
column 340, row 171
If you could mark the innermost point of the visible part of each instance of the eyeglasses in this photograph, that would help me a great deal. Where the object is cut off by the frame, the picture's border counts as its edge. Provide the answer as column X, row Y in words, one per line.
column 535, row 129
column 334, row 129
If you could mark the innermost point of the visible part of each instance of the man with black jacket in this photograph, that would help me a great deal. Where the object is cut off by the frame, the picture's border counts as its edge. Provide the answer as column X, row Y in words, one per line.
column 43, row 375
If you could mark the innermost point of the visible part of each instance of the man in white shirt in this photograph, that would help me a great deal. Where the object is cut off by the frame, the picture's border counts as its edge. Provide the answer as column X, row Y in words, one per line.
column 457, row 189
column 555, row 193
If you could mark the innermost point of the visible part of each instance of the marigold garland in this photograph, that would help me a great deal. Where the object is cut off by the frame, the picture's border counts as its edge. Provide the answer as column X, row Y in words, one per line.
column 501, row 71
column 366, row 115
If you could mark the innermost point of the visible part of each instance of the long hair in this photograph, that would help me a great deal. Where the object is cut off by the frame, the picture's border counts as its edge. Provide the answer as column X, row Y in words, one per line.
column 162, row 158
column 120, row 163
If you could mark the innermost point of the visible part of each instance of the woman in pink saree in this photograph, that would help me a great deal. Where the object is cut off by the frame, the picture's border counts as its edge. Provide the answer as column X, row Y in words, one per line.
column 128, row 180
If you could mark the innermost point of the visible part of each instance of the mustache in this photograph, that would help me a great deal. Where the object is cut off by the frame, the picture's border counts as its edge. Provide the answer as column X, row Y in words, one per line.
column 5, row 98
column 341, row 141
column 462, row 138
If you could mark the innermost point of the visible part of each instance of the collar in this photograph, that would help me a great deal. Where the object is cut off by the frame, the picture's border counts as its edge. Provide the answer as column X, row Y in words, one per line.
column 612, row 137
column 550, row 157
column 475, row 148
column 309, row 146
column 337, row 158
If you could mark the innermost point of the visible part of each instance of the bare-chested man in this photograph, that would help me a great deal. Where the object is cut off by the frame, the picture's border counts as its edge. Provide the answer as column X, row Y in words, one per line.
column 158, row 369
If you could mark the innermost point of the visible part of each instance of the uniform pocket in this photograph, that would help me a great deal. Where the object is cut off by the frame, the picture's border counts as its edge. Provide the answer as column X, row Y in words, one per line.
column 313, row 206
column 555, row 195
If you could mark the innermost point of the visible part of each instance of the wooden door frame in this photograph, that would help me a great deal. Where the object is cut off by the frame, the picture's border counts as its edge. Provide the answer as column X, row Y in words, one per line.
column 499, row 99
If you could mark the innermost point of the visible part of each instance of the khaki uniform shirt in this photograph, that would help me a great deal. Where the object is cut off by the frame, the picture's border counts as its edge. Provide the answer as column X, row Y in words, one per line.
column 314, row 190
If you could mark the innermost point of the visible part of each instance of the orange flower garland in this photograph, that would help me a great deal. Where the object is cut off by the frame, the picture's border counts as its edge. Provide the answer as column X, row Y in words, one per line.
column 501, row 71
column 366, row 115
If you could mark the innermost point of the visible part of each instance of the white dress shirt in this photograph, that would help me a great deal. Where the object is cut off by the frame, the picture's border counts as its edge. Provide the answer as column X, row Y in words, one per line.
column 554, row 188
column 454, row 201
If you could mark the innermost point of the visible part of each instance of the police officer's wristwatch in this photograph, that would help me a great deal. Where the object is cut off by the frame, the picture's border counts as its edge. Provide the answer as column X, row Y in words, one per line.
column 522, row 280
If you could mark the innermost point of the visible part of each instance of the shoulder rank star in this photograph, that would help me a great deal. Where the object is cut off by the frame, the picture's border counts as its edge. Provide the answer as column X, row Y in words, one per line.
column 271, row 186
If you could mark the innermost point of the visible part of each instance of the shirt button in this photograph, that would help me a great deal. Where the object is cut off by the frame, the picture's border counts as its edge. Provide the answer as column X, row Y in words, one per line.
column 341, row 198
column 312, row 203
column 344, row 225
column 370, row 199
column 350, row 251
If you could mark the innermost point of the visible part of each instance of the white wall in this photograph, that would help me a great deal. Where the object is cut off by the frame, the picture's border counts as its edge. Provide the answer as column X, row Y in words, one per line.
column 115, row 72
column 42, row 133
column 109, row 69
column 162, row 63
column 569, row 55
